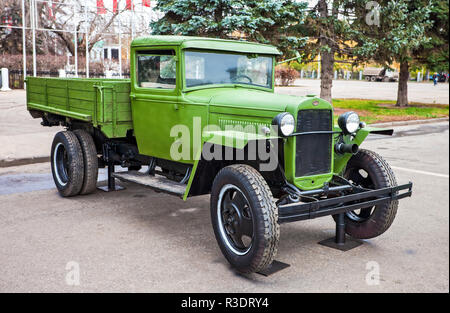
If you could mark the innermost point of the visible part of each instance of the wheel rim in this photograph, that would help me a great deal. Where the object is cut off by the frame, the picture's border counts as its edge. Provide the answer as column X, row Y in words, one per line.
column 361, row 178
column 235, row 220
column 61, row 164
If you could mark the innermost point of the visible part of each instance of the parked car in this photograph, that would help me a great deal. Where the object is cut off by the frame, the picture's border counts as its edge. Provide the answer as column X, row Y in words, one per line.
column 201, row 117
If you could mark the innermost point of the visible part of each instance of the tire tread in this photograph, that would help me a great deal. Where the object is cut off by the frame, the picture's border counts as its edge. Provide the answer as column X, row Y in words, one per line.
column 90, row 161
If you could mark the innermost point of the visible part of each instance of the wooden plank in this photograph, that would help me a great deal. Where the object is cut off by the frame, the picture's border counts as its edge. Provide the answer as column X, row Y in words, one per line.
column 75, row 115
column 37, row 97
column 81, row 104
column 56, row 101
column 123, row 97
column 56, row 83
column 56, row 91
column 88, row 95
column 82, row 84
column 121, row 117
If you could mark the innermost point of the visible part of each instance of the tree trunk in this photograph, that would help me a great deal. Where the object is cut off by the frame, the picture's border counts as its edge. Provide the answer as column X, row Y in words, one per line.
column 326, row 75
column 402, row 95
column 327, row 56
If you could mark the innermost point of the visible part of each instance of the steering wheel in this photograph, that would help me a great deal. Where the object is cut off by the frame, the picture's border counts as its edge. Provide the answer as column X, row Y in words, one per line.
column 236, row 78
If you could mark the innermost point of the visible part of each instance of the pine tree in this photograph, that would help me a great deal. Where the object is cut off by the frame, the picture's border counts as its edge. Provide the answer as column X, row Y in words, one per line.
column 400, row 30
column 270, row 21
column 434, row 54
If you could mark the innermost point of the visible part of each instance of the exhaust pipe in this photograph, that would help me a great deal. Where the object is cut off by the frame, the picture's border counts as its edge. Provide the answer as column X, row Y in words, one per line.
column 343, row 148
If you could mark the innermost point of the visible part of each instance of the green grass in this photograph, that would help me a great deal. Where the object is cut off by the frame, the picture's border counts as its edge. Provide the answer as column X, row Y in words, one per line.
column 372, row 111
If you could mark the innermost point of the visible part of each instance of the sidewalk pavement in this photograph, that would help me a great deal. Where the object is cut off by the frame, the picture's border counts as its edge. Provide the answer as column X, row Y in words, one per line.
column 22, row 138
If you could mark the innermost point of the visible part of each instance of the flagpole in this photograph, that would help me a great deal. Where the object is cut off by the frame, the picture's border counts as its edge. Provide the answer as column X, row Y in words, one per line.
column 24, row 47
column 120, row 48
column 33, row 28
column 87, row 39
column 132, row 21
column 75, row 45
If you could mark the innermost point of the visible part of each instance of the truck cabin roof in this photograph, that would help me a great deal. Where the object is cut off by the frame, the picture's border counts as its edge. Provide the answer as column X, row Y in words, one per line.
column 187, row 42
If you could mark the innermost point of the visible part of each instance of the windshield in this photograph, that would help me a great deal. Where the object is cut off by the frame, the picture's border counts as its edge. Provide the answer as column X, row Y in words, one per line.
column 207, row 68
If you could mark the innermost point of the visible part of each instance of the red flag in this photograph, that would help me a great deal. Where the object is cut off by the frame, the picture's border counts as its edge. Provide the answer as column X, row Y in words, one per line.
column 101, row 7
column 51, row 9
column 146, row 3
column 129, row 5
column 9, row 21
column 115, row 6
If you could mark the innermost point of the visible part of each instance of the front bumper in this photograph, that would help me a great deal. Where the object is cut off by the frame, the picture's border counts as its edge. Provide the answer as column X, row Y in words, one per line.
column 357, row 199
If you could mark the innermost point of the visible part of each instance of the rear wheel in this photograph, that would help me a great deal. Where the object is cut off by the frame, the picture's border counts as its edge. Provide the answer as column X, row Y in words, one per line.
column 90, row 160
column 67, row 163
column 245, row 218
column 369, row 170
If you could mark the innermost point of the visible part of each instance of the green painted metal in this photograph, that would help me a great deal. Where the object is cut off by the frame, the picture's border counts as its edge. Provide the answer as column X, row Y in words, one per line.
column 189, row 42
column 233, row 138
column 340, row 160
column 307, row 182
column 103, row 102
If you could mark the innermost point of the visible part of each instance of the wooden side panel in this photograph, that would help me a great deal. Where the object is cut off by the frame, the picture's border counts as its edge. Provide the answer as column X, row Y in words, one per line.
column 103, row 102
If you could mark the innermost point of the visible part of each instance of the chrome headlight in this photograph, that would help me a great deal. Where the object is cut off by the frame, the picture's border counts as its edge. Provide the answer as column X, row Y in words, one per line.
column 285, row 122
column 349, row 122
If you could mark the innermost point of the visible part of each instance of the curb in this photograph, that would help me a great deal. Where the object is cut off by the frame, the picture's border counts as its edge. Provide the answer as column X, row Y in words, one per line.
column 412, row 122
column 24, row 161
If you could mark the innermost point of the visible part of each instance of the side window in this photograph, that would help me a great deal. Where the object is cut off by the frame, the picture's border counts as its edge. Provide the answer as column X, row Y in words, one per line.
column 156, row 69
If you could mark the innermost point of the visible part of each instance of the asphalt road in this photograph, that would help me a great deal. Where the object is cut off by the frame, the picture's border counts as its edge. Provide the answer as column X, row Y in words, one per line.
column 138, row 240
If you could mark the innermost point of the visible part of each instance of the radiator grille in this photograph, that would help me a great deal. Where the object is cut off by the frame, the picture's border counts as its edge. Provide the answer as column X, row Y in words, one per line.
column 313, row 152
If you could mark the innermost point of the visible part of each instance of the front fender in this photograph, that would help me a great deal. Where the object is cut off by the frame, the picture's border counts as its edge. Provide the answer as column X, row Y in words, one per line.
column 341, row 160
column 226, row 138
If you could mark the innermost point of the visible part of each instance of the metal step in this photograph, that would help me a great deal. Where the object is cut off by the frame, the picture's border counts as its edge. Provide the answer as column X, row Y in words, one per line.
column 157, row 182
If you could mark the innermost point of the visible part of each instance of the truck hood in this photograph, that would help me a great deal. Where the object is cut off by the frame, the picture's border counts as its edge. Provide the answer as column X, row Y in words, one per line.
column 242, row 98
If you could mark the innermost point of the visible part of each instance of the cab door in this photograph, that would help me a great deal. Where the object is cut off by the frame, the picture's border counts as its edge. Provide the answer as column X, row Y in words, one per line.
column 157, row 108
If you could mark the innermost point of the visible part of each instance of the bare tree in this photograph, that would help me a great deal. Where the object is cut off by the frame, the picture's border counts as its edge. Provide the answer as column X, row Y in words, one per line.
column 63, row 17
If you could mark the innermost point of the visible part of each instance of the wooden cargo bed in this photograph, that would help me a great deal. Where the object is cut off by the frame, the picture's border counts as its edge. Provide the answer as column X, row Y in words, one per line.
column 105, row 103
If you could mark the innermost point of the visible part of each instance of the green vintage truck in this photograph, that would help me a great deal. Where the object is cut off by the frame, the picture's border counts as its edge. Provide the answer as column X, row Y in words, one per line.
column 199, row 116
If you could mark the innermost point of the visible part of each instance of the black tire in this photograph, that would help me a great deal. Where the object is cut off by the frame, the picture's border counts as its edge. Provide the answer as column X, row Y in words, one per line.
column 370, row 222
column 67, row 164
column 90, row 161
column 260, row 208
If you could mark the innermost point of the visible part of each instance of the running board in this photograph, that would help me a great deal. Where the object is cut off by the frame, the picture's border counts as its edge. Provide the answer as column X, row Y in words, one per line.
column 157, row 182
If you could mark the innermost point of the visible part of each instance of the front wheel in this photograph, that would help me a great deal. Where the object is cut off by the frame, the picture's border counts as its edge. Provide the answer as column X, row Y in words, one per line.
column 369, row 170
column 245, row 218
